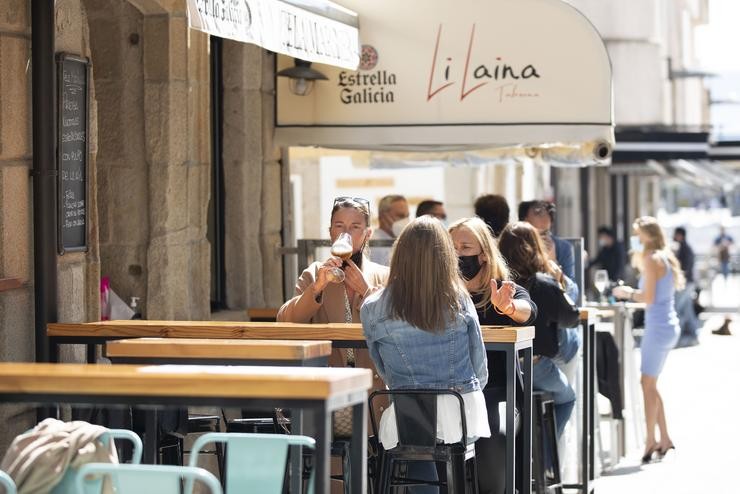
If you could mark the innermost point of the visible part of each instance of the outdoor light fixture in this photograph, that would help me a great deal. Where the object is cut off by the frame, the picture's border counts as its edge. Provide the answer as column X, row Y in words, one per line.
column 302, row 77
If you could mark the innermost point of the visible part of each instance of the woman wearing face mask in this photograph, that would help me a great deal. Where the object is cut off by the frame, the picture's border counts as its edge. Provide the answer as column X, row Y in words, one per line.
column 661, row 276
column 522, row 248
column 498, row 302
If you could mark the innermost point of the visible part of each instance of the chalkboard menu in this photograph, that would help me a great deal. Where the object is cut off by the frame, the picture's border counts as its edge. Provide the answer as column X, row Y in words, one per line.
column 72, row 151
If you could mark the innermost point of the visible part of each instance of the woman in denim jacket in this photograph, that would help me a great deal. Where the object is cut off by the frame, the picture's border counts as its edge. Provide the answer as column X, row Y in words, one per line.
column 423, row 333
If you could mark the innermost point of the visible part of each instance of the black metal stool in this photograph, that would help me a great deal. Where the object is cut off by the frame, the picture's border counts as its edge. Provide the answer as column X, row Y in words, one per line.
column 546, row 461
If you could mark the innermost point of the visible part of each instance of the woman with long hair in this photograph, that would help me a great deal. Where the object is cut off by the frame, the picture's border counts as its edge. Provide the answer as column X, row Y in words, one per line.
column 498, row 302
column 661, row 276
column 413, row 326
column 522, row 247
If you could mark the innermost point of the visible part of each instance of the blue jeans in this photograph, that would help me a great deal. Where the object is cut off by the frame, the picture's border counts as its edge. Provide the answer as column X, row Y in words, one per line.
column 569, row 341
column 685, row 311
column 547, row 377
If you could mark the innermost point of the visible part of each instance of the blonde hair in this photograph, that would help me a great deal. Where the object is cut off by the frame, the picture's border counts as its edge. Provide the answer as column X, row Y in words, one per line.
column 520, row 243
column 656, row 241
column 495, row 266
column 424, row 286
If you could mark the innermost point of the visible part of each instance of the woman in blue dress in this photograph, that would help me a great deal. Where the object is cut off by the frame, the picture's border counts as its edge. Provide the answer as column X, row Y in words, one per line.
column 661, row 276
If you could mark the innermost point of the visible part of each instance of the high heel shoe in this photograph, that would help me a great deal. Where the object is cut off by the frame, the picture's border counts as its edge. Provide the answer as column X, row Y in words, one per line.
column 648, row 457
column 662, row 452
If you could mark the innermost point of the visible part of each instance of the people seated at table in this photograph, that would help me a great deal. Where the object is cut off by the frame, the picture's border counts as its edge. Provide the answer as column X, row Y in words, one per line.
column 414, row 325
column 319, row 300
column 498, row 302
column 523, row 249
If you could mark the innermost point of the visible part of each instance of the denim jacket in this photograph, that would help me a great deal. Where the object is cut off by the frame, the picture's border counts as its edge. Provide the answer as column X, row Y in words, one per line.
column 407, row 357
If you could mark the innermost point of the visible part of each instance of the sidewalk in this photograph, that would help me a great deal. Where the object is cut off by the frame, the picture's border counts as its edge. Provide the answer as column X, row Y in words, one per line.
column 700, row 386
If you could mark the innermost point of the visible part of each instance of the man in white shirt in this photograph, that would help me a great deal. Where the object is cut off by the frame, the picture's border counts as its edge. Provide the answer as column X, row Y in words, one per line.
column 393, row 216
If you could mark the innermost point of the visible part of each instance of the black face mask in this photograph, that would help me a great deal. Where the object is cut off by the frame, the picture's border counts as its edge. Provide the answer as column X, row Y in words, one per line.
column 469, row 266
column 357, row 258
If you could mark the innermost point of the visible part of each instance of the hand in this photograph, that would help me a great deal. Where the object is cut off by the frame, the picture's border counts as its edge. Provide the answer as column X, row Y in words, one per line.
column 557, row 271
column 354, row 279
column 502, row 298
column 622, row 292
column 321, row 278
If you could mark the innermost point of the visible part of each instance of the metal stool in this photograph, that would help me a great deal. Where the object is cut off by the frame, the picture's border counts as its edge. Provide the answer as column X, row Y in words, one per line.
column 546, row 461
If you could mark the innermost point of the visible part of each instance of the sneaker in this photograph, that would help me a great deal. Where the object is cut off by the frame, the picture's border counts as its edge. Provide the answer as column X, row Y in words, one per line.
column 724, row 329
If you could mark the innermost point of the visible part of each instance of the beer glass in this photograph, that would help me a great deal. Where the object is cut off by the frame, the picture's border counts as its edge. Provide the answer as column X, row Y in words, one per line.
column 341, row 248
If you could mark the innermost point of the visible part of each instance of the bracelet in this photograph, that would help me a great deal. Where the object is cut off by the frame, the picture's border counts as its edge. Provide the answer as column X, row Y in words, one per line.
column 502, row 313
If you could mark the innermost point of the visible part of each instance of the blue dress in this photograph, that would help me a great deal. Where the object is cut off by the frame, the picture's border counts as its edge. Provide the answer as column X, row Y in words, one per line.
column 661, row 324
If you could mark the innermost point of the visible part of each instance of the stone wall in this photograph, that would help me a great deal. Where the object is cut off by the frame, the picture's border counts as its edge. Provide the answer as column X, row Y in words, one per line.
column 252, row 177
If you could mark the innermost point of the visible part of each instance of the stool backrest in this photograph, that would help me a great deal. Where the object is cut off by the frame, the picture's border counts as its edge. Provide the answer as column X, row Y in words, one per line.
column 255, row 463
column 7, row 486
column 68, row 483
column 136, row 479
column 416, row 415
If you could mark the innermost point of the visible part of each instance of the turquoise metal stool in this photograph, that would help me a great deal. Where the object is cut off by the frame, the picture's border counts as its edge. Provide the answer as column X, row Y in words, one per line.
column 68, row 483
column 136, row 479
column 255, row 463
column 7, row 483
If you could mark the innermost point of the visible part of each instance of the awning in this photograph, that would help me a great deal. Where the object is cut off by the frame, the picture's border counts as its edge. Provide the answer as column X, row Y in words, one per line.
column 314, row 30
column 459, row 74
column 666, row 143
column 725, row 151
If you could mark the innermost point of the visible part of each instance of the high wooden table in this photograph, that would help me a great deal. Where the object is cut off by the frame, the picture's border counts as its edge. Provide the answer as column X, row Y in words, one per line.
column 218, row 352
column 318, row 391
column 515, row 342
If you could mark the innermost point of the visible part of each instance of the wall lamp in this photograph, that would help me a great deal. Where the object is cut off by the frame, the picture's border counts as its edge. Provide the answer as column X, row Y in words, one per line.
column 302, row 77
column 686, row 73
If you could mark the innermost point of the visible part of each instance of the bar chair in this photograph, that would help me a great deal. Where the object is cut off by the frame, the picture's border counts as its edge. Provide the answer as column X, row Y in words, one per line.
column 545, row 458
column 416, row 421
column 135, row 479
column 7, row 483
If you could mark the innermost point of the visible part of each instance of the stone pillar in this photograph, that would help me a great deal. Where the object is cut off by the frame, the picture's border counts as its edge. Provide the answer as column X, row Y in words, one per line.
column 252, row 177
column 177, row 151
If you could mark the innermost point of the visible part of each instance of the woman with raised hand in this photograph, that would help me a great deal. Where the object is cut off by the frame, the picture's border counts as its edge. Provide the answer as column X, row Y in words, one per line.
column 498, row 302
column 414, row 325
column 661, row 276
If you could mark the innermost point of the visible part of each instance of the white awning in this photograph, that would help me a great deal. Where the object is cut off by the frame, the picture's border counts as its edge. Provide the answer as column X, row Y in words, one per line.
column 314, row 30
column 452, row 74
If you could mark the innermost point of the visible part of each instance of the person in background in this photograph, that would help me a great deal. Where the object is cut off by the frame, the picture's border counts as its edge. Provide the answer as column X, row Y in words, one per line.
column 523, row 249
column 422, row 332
column 498, row 302
column 723, row 243
column 494, row 210
column 661, row 276
column 688, row 321
column 432, row 208
column 611, row 255
column 541, row 214
column 393, row 215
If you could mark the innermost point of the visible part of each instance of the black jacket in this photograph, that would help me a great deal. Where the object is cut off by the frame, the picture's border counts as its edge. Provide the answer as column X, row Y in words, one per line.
column 554, row 310
column 607, row 371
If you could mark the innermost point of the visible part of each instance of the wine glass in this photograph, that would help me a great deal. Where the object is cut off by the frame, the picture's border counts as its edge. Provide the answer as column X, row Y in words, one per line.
column 341, row 248
column 601, row 282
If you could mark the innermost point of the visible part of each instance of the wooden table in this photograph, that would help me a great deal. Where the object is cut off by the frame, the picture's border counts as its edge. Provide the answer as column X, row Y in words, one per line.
column 219, row 351
column 515, row 342
column 262, row 314
column 318, row 391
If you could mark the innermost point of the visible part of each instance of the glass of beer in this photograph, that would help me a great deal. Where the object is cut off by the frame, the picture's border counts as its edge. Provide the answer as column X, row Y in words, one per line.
column 341, row 248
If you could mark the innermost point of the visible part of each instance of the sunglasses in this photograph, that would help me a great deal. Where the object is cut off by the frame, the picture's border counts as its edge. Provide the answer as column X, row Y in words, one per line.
column 359, row 200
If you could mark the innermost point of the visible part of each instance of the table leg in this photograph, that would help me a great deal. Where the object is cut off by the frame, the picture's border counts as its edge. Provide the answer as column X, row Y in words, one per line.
column 592, row 404
column 526, row 423
column 296, row 458
column 319, row 421
column 511, row 370
column 358, row 448
column 150, row 437
column 586, row 437
column 91, row 350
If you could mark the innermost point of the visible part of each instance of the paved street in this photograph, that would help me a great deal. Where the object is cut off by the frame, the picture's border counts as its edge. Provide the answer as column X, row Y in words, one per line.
column 701, row 390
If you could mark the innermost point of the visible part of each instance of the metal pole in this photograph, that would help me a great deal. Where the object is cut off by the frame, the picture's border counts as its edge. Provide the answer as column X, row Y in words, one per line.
column 44, row 172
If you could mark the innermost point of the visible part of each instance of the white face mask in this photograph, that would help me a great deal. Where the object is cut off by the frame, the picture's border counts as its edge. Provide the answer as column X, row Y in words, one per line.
column 398, row 226
column 635, row 244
